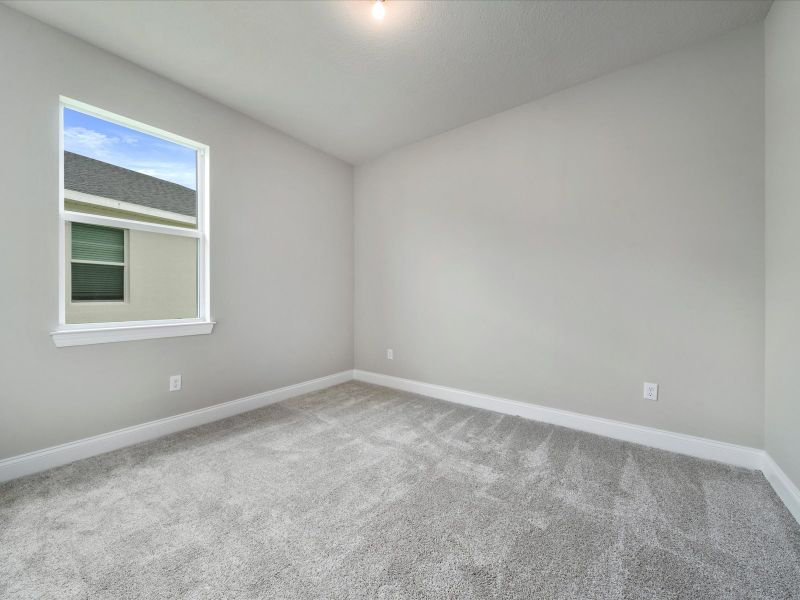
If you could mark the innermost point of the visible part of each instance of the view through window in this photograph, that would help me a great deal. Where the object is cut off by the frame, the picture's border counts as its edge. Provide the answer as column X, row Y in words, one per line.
column 132, row 223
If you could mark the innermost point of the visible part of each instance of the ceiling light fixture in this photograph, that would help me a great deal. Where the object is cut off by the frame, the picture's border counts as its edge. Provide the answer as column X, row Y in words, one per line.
column 378, row 10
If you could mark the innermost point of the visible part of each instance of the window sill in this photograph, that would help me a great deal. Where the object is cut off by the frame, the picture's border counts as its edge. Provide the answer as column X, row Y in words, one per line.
column 82, row 335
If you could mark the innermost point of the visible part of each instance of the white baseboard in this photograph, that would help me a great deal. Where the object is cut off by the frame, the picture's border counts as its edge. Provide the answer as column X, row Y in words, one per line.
column 741, row 456
column 783, row 486
column 41, row 460
column 732, row 454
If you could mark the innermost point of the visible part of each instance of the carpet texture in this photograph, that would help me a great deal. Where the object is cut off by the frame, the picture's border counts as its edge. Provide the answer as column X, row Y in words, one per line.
column 359, row 491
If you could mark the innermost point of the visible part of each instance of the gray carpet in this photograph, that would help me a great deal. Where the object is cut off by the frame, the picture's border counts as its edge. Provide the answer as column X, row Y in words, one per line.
column 363, row 492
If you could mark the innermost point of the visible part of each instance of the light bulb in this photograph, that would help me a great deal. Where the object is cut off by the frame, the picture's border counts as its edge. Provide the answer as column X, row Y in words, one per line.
column 378, row 11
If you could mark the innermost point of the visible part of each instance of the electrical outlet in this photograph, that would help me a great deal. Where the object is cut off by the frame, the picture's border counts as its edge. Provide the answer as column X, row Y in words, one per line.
column 174, row 383
column 390, row 354
column 651, row 391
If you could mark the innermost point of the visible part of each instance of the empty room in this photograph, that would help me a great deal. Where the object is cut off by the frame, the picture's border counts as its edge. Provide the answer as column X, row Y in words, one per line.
column 395, row 299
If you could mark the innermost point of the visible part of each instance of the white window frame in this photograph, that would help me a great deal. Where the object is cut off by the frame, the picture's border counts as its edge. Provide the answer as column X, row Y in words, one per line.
column 79, row 334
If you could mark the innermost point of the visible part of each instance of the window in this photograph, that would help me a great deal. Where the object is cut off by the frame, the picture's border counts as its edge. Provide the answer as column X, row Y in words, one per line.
column 134, row 230
column 97, row 263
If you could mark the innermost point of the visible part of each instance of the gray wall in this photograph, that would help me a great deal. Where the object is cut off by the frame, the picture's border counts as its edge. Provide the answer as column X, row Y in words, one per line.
column 783, row 236
column 282, row 253
column 560, row 253
column 566, row 251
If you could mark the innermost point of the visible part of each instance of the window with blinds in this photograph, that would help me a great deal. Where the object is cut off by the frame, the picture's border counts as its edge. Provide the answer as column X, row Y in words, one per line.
column 98, row 263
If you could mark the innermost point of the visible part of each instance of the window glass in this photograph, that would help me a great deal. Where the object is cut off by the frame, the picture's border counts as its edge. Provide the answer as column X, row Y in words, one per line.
column 97, row 282
column 130, row 215
column 97, row 243
column 98, row 263
column 116, row 171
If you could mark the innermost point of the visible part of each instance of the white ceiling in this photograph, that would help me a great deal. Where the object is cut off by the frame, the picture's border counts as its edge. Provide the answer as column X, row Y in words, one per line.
column 329, row 74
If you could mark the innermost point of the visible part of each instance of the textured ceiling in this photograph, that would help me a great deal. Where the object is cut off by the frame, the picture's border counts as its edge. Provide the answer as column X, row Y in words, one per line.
column 327, row 73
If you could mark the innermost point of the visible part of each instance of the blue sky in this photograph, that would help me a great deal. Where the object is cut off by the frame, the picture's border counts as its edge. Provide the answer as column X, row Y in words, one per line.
column 128, row 148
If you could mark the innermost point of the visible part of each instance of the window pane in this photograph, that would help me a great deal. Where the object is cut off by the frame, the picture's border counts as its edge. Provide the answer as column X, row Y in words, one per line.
column 161, row 282
column 113, row 170
column 134, row 180
column 93, row 242
column 97, row 282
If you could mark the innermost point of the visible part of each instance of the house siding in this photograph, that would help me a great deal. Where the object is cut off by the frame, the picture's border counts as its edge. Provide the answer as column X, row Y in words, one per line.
column 162, row 282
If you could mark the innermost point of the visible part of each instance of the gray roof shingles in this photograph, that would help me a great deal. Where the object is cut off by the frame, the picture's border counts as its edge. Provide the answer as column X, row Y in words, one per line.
column 90, row 176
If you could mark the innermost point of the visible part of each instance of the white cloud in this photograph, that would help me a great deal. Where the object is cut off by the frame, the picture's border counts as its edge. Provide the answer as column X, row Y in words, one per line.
column 170, row 172
column 125, row 151
column 89, row 142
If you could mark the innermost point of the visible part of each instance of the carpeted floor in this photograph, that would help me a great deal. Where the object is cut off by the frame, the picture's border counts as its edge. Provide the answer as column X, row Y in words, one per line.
column 359, row 491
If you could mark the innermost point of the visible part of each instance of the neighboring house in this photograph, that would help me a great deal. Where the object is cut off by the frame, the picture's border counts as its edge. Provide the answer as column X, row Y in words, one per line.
column 125, row 274
column 101, row 188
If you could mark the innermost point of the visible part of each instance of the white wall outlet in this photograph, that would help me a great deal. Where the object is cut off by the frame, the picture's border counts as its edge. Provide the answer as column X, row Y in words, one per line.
column 390, row 354
column 174, row 383
column 651, row 391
